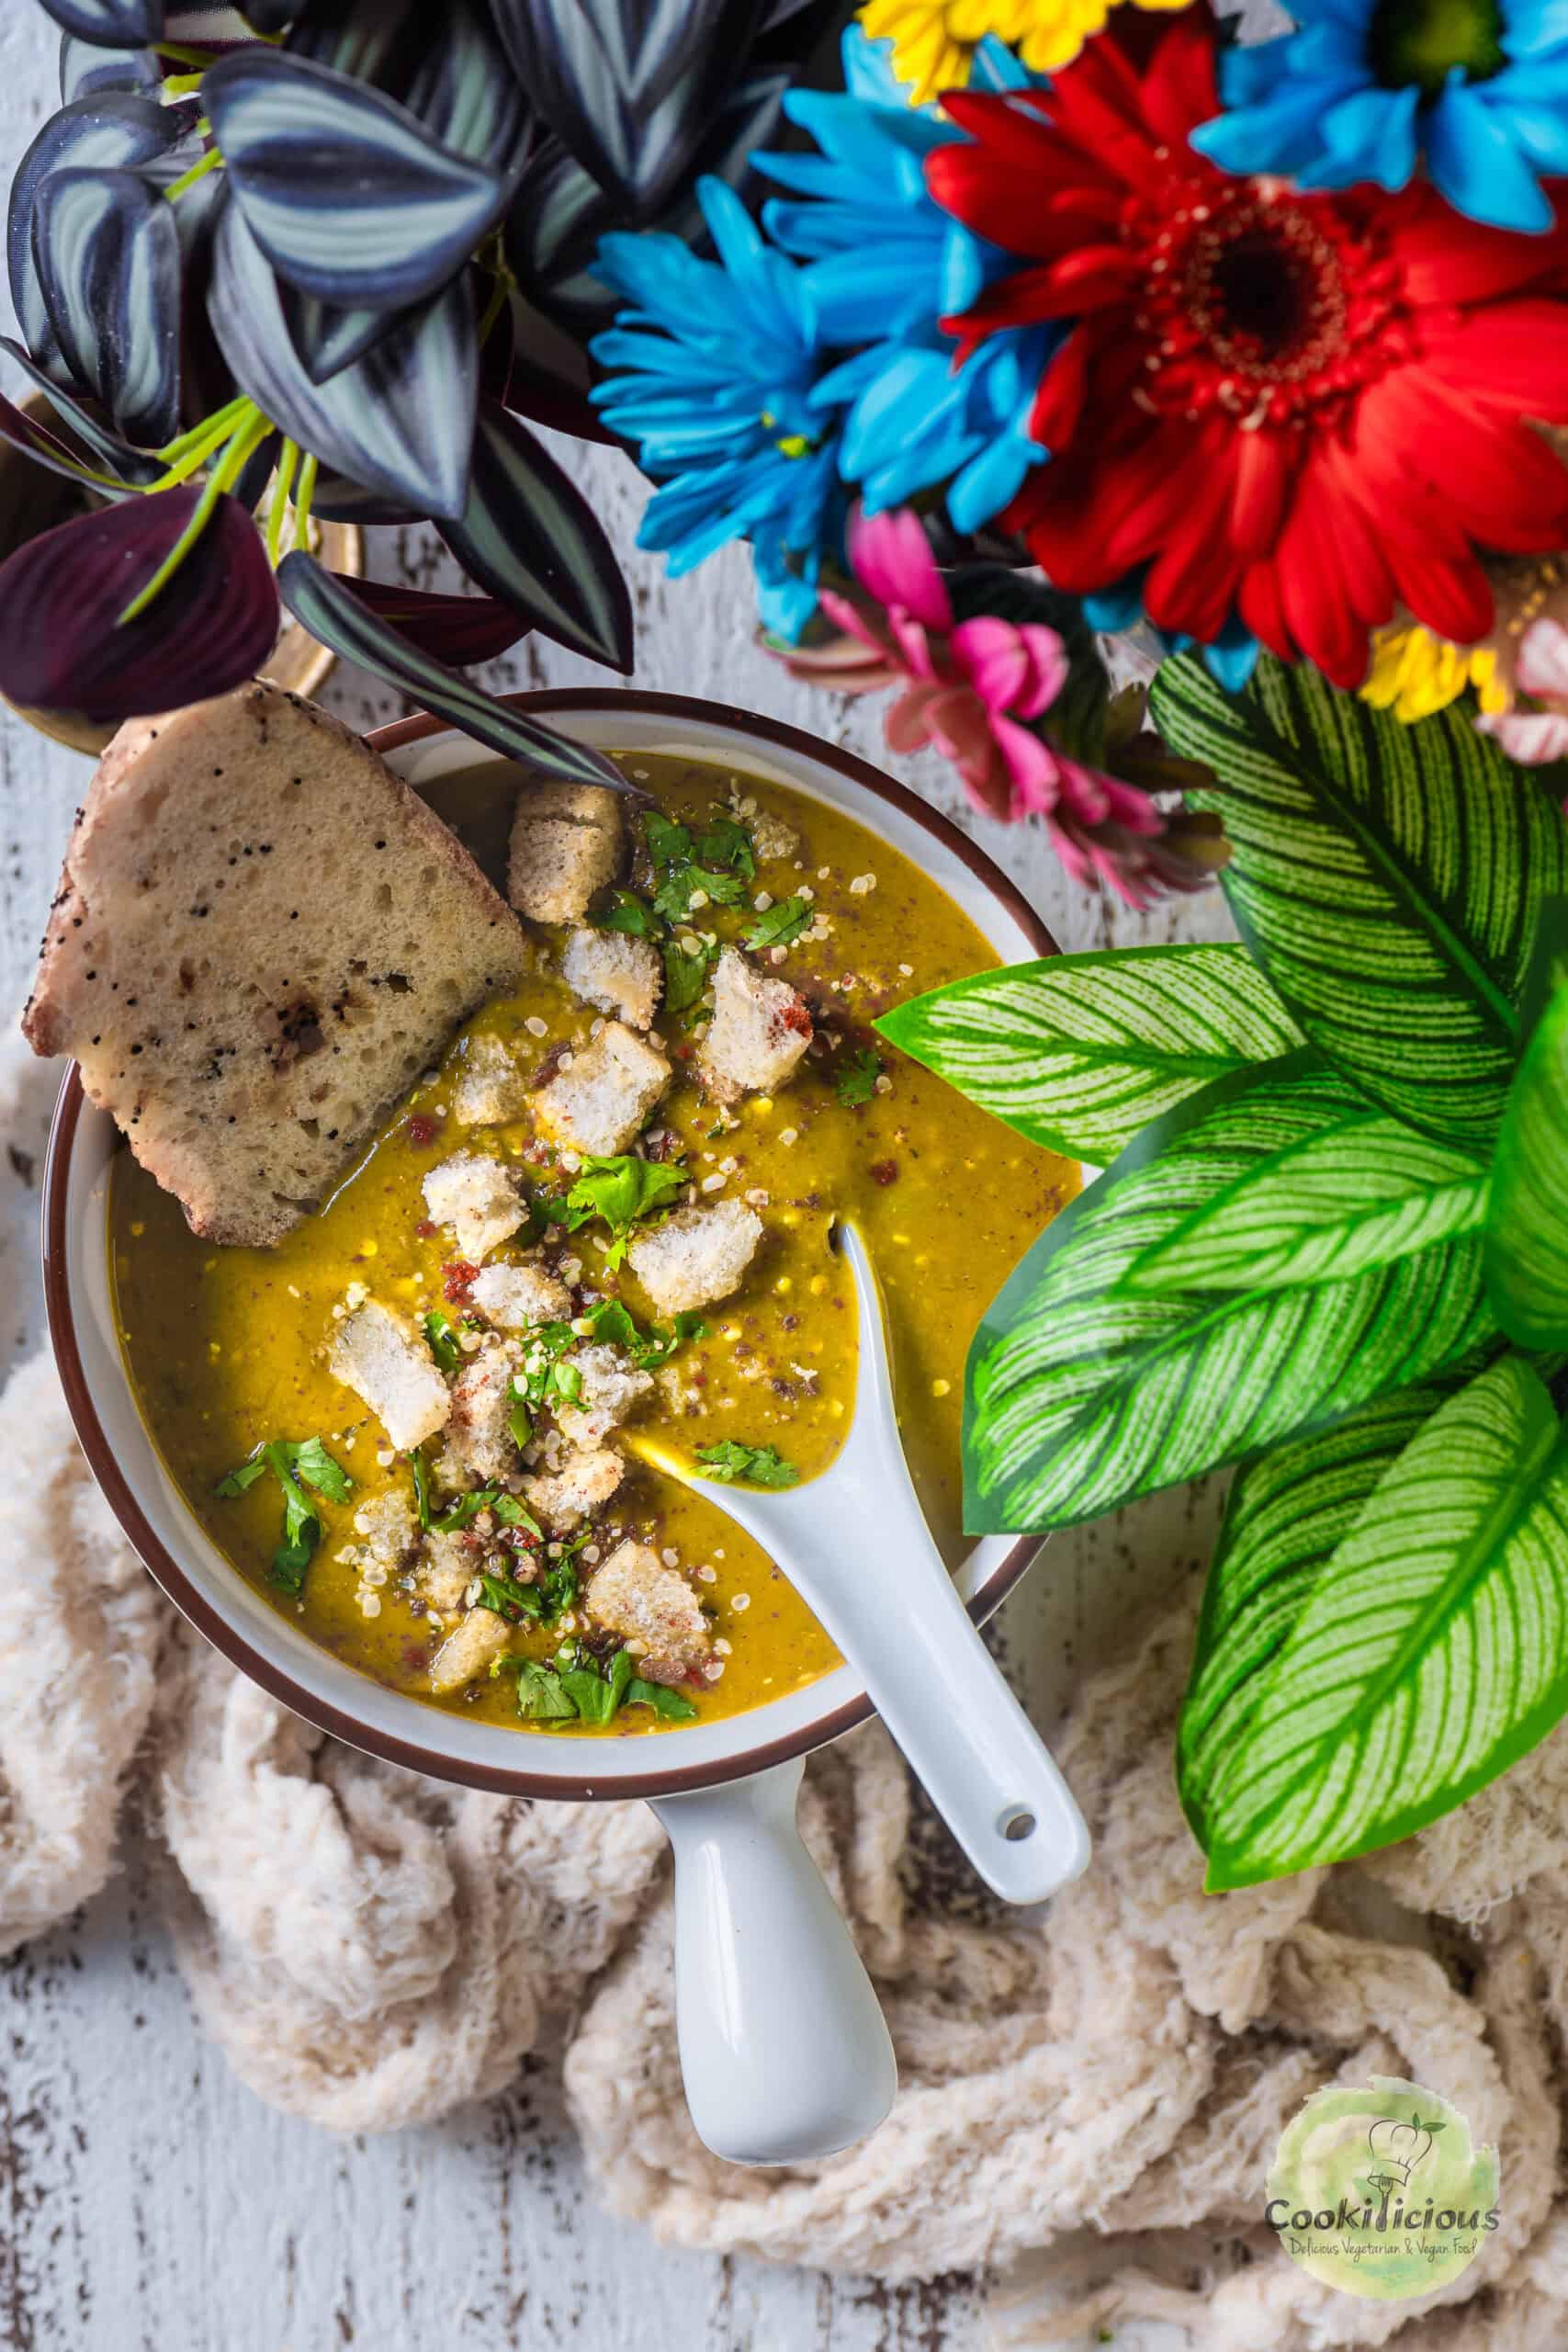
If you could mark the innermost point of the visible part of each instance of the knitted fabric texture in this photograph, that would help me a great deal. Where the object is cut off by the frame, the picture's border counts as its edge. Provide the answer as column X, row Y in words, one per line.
column 1089, row 2100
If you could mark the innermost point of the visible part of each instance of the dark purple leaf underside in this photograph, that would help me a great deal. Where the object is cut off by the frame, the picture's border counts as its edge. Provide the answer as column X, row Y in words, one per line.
column 335, row 616
column 134, row 466
column 36, row 441
column 462, row 631
column 210, row 629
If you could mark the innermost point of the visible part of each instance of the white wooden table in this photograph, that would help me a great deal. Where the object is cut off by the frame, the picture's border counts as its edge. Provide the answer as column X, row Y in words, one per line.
column 147, row 2199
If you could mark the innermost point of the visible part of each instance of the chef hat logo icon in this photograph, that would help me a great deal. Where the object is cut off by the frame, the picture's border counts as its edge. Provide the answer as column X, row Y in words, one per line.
column 1399, row 2147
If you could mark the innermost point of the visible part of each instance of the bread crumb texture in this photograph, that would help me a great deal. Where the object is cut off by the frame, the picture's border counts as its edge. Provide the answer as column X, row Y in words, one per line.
column 260, row 937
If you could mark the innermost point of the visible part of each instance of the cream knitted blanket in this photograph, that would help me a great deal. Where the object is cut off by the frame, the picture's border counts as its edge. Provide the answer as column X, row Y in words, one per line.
column 1089, row 2102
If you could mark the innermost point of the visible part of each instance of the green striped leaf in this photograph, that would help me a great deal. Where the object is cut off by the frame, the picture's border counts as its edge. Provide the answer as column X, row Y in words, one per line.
column 1287, row 1512
column 1083, row 1394
column 1079, row 1052
column 1429, row 1655
column 1363, row 1190
column 1387, row 877
column 1526, row 1255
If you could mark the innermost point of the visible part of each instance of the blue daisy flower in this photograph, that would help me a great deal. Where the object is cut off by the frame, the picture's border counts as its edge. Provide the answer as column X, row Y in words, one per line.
column 883, row 264
column 1364, row 89
column 712, row 370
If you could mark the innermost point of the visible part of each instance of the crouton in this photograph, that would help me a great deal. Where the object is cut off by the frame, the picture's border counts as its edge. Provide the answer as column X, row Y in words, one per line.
column 599, row 1102
column 479, row 1200
column 381, row 1356
column 611, row 1390
column 581, row 1484
column 385, row 1524
column 758, row 1031
column 479, row 1638
column 479, row 1448
column 516, row 1297
column 566, row 842
column 635, row 1595
column 446, row 1569
column 489, row 1088
column 616, row 972
column 695, row 1256
column 260, row 937
column 771, row 838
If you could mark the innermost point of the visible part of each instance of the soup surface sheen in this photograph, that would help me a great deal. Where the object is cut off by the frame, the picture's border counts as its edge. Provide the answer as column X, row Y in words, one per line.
column 225, row 1346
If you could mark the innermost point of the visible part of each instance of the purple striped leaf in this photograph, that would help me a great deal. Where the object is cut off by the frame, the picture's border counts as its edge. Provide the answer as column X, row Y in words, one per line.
column 338, row 499
column 335, row 616
column 529, row 536
column 112, row 130
column 109, row 23
column 134, row 466
column 629, row 87
column 211, row 626
column 270, row 16
column 85, row 69
column 462, row 631
column 397, row 422
column 560, row 213
column 344, row 189
column 107, row 255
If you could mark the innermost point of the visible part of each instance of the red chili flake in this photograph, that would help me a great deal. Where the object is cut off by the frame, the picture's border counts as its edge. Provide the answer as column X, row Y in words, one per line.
column 797, row 1017
column 458, row 1278
column 424, row 1228
column 420, row 1129
column 883, row 1172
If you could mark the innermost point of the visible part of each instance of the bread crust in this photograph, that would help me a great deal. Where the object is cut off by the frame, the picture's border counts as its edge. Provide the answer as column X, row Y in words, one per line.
column 262, row 936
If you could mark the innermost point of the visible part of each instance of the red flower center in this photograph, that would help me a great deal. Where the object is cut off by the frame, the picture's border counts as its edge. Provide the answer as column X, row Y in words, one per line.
column 1271, row 306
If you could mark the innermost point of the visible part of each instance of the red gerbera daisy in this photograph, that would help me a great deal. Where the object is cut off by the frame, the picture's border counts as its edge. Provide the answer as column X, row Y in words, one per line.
column 1306, row 408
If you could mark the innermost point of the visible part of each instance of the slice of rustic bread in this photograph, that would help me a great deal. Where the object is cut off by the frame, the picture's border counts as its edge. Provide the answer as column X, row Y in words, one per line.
column 262, row 936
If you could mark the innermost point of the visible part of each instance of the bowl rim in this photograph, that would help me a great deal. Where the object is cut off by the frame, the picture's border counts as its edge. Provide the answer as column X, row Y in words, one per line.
column 166, row 1571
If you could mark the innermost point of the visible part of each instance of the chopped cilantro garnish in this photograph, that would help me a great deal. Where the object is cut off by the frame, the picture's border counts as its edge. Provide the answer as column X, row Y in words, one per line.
column 542, row 1349
column 622, row 1189
column 575, row 1690
column 777, row 925
column 725, row 843
column 755, row 1465
column 541, row 1697
column 615, row 1325
column 296, row 1463
column 685, row 976
column 661, row 1698
column 506, row 1508
column 857, row 1077
column 628, row 913
column 421, row 1485
column 441, row 1332
column 519, row 1420
column 678, row 875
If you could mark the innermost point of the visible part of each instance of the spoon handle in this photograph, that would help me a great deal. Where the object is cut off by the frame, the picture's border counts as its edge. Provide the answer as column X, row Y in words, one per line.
column 936, row 1687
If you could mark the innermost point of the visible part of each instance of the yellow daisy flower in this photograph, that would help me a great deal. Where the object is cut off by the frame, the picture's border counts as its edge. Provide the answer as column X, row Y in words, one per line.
column 934, row 41
column 1414, row 673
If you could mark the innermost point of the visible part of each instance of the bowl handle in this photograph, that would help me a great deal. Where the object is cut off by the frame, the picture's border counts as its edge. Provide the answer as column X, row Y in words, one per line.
column 783, row 2046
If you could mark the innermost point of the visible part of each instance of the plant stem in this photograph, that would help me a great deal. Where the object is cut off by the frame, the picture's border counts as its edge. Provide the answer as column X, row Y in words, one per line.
column 202, row 432
column 210, row 162
column 197, row 457
column 249, row 433
column 185, row 55
column 283, row 481
column 179, row 86
column 307, row 491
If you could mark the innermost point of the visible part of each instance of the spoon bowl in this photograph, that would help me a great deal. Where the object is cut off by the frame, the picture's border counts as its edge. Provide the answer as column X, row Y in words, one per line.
column 854, row 1544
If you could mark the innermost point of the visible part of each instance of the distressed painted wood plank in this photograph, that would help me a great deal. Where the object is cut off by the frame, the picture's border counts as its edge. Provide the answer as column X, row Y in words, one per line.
column 146, row 2200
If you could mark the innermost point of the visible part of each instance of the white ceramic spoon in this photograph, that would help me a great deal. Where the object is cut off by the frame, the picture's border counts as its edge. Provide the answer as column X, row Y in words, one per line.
column 856, row 1545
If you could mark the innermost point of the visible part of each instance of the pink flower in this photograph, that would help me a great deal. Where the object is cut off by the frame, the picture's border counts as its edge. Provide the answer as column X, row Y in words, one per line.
column 1540, row 671
column 970, row 689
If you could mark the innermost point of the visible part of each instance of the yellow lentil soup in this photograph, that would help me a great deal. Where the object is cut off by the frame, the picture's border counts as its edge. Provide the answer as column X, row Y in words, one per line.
column 229, row 1349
